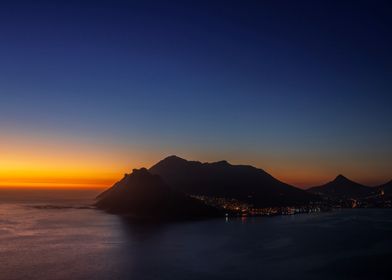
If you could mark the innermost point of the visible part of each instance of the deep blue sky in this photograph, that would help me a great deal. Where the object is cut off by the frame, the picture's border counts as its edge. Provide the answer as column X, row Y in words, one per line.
column 296, row 87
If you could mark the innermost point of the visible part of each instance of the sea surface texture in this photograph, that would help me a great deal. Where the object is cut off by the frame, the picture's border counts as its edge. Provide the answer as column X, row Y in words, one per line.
column 58, row 235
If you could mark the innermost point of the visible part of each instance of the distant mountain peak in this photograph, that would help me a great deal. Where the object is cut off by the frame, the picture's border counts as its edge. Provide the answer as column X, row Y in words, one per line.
column 174, row 158
column 174, row 162
column 341, row 187
column 340, row 177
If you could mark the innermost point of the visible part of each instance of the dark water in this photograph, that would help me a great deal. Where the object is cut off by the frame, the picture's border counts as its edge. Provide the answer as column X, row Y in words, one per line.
column 52, row 236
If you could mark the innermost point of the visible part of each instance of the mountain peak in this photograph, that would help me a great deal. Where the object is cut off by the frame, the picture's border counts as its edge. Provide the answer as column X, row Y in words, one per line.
column 340, row 177
column 342, row 187
column 173, row 158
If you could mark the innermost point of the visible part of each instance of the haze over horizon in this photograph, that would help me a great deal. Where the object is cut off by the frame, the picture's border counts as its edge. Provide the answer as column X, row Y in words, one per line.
column 89, row 91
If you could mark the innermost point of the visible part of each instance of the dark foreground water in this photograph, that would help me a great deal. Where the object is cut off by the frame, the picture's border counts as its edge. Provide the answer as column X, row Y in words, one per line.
column 51, row 235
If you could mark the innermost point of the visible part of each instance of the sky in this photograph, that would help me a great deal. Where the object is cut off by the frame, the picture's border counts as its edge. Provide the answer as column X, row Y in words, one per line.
column 90, row 90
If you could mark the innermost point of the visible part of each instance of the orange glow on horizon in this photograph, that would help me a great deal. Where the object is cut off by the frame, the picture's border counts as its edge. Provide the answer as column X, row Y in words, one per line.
column 40, row 185
column 56, row 161
column 30, row 160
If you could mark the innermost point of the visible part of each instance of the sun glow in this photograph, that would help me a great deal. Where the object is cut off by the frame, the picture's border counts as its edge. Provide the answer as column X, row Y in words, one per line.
column 31, row 161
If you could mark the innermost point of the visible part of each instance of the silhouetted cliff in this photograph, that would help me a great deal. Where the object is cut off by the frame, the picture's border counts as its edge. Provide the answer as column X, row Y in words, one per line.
column 143, row 195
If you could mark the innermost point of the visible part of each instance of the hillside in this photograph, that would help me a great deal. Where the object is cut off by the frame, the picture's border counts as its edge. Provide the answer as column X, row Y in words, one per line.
column 222, row 179
column 342, row 188
column 143, row 195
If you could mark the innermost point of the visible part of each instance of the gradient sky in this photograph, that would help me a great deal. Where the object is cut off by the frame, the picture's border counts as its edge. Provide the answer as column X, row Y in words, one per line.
column 91, row 89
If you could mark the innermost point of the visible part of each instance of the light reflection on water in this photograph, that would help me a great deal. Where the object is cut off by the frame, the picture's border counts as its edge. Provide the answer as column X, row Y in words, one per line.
column 63, row 241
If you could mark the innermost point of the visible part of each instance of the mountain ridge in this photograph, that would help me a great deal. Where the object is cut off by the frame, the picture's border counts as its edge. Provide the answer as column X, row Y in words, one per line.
column 243, row 182
column 342, row 187
column 386, row 188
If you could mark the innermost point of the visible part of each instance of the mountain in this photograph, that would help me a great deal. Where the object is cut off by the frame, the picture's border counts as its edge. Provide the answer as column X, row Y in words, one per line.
column 144, row 195
column 221, row 179
column 342, row 188
column 387, row 188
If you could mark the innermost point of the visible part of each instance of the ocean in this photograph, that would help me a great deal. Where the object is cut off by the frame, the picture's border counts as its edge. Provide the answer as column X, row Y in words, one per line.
column 56, row 234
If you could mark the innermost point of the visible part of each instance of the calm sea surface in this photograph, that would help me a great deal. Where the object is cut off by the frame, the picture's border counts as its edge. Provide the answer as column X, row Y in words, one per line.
column 53, row 235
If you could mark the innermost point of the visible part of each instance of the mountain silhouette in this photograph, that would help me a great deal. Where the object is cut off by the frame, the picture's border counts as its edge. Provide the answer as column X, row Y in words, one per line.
column 221, row 179
column 144, row 195
column 342, row 188
column 387, row 188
